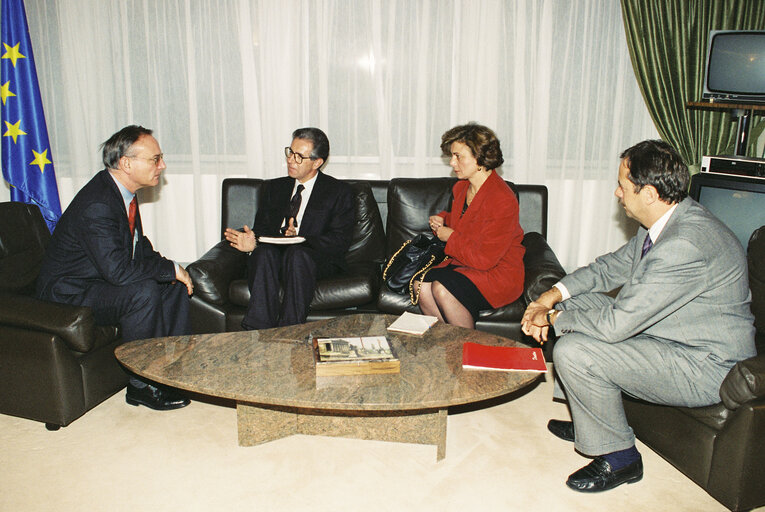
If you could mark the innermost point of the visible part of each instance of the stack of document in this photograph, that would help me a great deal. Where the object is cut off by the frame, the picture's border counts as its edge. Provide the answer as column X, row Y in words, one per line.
column 410, row 323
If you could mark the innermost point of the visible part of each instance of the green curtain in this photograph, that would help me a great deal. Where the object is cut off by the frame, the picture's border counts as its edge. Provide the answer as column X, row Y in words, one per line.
column 667, row 40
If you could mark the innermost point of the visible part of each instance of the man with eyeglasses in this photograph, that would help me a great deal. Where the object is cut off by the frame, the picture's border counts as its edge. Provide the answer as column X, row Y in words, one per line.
column 99, row 257
column 307, row 207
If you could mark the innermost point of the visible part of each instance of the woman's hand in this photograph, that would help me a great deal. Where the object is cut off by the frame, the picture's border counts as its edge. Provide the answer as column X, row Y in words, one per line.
column 443, row 233
column 436, row 221
column 437, row 226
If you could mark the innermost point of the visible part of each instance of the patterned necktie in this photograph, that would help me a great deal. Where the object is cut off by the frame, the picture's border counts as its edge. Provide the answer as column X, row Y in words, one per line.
column 131, row 215
column 647, row 244
column 294, row 208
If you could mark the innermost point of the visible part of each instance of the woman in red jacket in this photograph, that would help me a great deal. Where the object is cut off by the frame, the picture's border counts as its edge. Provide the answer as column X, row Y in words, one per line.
column 484, row 268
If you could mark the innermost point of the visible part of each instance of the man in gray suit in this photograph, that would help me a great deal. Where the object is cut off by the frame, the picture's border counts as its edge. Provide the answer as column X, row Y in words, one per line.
column 680, row 320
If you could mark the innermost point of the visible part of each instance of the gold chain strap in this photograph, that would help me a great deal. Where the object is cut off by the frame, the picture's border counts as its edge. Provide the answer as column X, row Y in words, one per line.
column 390, row 261
column 424, row 270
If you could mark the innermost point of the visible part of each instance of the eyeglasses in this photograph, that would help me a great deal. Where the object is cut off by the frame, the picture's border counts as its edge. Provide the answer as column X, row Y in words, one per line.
column 155, row 159
column 298, row 157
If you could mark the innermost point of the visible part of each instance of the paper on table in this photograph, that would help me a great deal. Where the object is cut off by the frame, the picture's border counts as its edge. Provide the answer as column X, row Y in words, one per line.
column 281, row 240
column 412, row 324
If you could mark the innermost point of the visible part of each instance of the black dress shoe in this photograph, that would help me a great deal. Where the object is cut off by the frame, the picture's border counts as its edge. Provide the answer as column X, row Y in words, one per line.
column 598, row 476
column 153, row 397
column 562, row 429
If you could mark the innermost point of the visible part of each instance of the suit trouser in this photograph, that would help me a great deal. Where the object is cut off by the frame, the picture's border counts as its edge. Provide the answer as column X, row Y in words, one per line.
column 272, row 269
column 144, row 309
column 594, row 374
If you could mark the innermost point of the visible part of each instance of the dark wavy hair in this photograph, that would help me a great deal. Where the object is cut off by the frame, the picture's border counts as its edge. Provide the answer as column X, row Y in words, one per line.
column 319, row 140
column 118, row 144
column 656, row 163
column 483, row 143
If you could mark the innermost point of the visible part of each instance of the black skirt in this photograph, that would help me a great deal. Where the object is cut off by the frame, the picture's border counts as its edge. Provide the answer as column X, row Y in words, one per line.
column 461, row 287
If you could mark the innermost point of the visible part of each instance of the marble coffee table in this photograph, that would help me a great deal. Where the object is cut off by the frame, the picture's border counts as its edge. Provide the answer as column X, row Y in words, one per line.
column 271, row 376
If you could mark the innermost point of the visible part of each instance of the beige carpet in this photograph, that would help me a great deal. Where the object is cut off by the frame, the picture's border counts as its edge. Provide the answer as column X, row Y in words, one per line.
column 123, row 458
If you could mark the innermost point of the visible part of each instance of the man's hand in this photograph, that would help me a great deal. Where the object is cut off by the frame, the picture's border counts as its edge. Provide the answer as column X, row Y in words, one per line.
column 534, row 321
column 291, row 229
column 183, row 276
column 241, row 240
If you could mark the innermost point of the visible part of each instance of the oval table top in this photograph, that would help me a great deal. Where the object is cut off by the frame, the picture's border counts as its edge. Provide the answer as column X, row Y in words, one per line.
column 276, row 367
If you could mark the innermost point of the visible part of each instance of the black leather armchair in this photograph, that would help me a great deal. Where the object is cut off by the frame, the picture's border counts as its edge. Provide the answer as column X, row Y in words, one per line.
column 55, row 363
column 720, row 447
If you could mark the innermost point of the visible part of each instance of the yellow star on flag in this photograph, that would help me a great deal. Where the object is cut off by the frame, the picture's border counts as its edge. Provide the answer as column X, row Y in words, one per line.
column 40, row 160
column 13, row 130
column 5, row 91
column 13, row 53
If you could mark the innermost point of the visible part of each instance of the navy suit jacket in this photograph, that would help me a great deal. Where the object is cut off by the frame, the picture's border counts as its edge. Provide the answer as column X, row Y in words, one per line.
column 327, row 222
column 92, row 243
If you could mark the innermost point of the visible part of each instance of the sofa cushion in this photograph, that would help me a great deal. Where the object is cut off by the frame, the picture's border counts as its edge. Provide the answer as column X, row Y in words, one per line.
column 23, row 238
column 214, row 272
column 368, row 240
column 411, row 201
column 541, row 267
column 756, row 260
column 357, row 286
column 744, row 382
column 73, row 324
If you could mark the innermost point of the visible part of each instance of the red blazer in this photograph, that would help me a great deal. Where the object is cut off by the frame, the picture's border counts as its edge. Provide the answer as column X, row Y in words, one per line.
column 486, row 243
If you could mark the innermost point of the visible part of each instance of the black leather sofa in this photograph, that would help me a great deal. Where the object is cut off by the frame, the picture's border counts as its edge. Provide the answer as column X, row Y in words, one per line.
column 55, row 363
column 720, row 447
column 387, row 214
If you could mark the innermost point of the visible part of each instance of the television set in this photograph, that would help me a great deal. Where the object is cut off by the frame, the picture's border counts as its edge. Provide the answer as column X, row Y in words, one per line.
column 735, row 67
column 738, row 202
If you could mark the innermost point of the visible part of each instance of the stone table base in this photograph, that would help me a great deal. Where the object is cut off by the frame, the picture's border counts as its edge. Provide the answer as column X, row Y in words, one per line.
column 260, row 423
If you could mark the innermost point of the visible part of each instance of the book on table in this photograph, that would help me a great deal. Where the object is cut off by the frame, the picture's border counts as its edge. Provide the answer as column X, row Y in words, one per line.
column 410, row 323
column 485, row 357
column 362, row 355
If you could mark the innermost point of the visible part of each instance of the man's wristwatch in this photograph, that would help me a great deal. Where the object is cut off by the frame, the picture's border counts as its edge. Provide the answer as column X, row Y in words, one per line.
column 549, row 316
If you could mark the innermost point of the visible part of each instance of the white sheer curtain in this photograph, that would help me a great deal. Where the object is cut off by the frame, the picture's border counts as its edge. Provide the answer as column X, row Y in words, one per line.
column 224, row 82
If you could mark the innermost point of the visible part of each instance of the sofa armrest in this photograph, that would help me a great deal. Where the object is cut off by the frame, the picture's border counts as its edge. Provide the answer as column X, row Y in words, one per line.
column 542, row 267
column 214, row 271
column 744, row 382
column 73, row 324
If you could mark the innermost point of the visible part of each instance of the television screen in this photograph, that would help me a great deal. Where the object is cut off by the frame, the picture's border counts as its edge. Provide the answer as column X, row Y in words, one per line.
column 735, row 67
column 738, row 202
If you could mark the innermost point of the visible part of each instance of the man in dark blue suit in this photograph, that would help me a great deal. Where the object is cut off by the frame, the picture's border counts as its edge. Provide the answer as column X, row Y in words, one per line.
column 99, row 257
column 306, row 206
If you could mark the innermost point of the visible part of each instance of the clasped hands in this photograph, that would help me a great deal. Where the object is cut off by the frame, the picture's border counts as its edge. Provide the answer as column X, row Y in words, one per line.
column 534, row 322
column 439, row 229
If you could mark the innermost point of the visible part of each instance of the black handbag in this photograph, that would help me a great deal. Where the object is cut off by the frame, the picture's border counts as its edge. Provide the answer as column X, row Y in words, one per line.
column 410, row 264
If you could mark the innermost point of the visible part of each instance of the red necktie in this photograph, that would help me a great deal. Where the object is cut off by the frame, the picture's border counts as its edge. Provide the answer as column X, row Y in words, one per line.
column 131, row 215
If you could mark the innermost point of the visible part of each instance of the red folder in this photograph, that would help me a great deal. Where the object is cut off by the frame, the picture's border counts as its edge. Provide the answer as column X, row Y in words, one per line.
column 484, row 357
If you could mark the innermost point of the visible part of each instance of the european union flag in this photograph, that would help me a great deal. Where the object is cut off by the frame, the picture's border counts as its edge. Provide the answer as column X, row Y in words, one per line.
column 27, row 159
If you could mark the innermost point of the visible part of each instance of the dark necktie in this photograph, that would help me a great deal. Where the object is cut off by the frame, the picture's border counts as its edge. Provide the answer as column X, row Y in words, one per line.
column 131, row 215
column 647, row 244
column 294, row 208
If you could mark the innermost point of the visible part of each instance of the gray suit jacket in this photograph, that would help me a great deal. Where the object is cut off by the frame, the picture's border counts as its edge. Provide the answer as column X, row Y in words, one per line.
column 691, row 289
